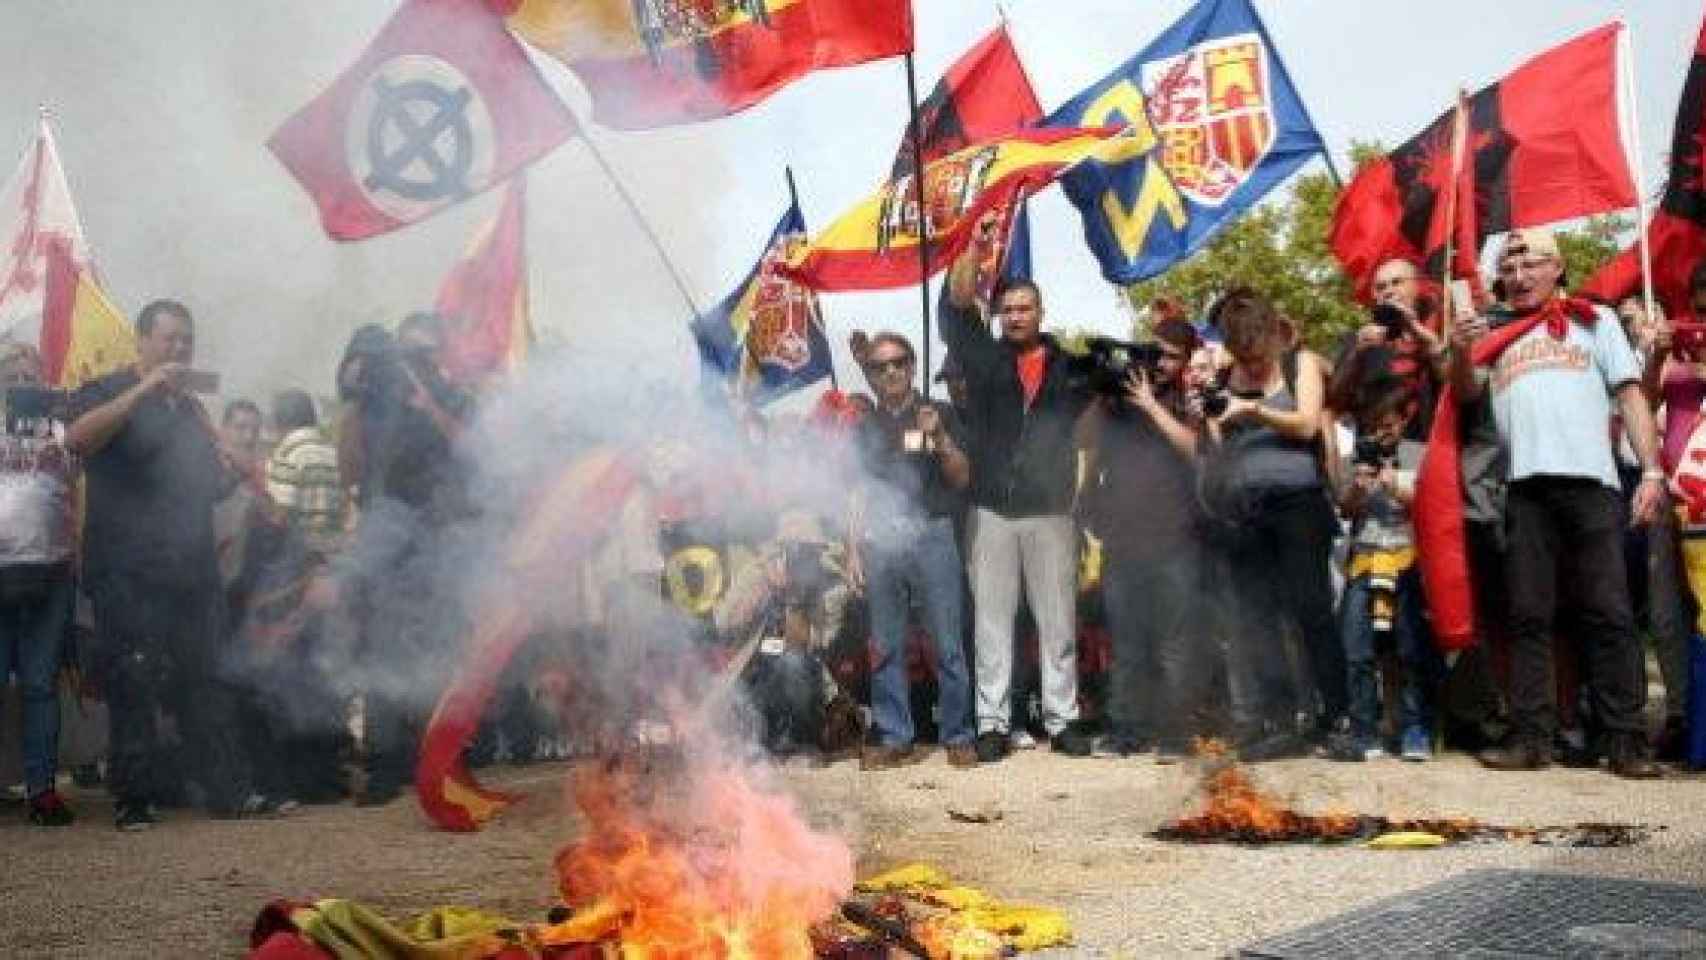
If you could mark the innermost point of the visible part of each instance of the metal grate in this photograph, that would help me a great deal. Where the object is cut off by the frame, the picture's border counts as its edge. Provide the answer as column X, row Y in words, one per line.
column 1508, row 914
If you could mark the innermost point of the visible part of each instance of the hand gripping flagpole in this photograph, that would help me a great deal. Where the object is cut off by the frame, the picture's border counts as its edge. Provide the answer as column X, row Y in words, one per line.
column 923, row 219
column 1632, row 143
column 794, row 202
column 1459, row 137
column 640, row 218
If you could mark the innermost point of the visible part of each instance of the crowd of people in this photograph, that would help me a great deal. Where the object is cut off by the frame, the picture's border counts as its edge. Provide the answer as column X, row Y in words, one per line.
column 1237, row 509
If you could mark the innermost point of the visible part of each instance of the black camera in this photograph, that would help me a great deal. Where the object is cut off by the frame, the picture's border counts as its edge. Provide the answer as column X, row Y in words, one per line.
column 1391, row 319
column 1106, row 364
column 1370, row 452
column 807, row 576
column 1215, row 399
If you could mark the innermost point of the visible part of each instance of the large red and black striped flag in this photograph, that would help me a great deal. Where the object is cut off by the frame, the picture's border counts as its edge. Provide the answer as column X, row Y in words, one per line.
column 1541, row 145
column 1677, row 232
column 985, row 95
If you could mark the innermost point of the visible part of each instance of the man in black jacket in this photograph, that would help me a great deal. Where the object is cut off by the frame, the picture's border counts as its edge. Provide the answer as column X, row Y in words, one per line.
column 1022, row 414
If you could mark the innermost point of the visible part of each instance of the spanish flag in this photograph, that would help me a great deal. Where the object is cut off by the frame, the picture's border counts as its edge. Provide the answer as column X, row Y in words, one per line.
column 655, row 63
column 874, row 246
column 484, row 298
column 83, row 336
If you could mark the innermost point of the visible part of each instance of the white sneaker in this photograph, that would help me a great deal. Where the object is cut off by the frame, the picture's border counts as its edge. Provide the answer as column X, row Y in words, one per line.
column 1022, row 740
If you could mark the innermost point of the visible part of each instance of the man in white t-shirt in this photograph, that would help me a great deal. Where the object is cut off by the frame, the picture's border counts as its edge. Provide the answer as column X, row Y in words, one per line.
column 1552, row 393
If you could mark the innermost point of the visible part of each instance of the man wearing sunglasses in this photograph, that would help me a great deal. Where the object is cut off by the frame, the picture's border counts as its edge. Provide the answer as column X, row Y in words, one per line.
column 904, row 547
column 1022, row 414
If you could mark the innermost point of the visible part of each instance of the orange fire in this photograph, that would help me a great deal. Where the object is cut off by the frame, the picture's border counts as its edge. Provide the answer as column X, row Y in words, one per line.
column 696, row 864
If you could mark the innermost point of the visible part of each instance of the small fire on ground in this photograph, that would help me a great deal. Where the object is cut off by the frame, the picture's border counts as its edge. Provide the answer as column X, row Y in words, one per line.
column 1235, row 810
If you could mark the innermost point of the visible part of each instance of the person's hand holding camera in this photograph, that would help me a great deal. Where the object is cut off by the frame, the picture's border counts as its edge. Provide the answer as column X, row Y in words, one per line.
column 930, row 424
column 1371, row 335
column 166, row 376
column 1239, row 409
column 1466, row 329
column 1138, row 392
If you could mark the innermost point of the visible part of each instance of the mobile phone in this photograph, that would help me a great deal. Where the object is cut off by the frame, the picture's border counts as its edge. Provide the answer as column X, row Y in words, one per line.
column 200, row 381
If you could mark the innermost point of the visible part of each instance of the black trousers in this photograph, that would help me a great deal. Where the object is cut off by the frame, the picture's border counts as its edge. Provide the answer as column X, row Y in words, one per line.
column 1279, row 568
column 158, row 657
column 1159, row 674
column 1565, row 555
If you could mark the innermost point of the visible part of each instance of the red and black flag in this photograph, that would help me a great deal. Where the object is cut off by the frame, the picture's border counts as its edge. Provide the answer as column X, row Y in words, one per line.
column 985, row 95
column 1541, row 145
column 1676, row 235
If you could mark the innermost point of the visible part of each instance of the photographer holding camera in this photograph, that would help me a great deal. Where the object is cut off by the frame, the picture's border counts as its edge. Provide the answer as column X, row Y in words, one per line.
column 1022, row 420
column 1383, row 588
column 1145, row 512
column 1265, row 488
column 903, row 547
column 1399, row 341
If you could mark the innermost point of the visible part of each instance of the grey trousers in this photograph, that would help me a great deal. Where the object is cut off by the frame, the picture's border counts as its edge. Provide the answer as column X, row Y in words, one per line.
column 1043, row 551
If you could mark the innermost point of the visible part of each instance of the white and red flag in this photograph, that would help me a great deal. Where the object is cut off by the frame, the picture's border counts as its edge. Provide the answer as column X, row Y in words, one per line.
column 442, row 105
column 38, row 226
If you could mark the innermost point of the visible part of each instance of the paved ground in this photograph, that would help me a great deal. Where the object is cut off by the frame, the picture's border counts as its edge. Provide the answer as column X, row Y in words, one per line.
column 1072, row 835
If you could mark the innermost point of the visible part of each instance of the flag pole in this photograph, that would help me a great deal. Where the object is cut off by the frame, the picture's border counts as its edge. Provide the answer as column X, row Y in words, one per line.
column 1459, row 131
column 1632, row 143
column 794, row 202
column 923, row 218
column 640, row 218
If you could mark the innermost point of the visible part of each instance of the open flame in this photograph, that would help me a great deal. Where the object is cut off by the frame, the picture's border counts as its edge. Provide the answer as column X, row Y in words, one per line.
column 695, row 863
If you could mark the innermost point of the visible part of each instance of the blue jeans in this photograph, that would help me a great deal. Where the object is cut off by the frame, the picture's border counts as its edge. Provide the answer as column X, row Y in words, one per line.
column 35, row 613
column 1410, row 636
column 907, row 559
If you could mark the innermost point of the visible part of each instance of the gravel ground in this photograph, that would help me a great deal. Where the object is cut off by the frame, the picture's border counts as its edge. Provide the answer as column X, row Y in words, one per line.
column 1072, row 834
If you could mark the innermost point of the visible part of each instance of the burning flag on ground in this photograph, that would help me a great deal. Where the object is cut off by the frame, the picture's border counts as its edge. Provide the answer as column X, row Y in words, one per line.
column 654, row 63
column 442, row 105
column 1236, row 810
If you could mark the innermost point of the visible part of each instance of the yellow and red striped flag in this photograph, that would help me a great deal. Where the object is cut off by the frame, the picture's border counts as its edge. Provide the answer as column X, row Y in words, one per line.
column 83, row 335
column 874, row 246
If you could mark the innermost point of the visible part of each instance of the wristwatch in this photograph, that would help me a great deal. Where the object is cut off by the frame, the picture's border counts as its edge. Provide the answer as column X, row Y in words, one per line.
column 1652, row 473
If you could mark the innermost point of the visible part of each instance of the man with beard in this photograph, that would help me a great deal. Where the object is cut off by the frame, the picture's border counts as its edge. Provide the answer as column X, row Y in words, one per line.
column 154, row 472
column 1551, row 389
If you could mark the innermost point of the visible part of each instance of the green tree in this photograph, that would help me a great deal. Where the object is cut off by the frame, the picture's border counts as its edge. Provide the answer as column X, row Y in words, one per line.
column 1280, row 248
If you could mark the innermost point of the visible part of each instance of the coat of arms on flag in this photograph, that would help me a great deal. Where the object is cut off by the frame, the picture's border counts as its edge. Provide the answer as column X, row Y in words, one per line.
column 766, row 338
column 1220, row 123
column 1211, row 111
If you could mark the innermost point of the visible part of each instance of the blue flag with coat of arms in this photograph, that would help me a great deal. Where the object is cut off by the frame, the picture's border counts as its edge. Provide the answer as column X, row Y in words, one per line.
column 1218, row 125
column 766, row 338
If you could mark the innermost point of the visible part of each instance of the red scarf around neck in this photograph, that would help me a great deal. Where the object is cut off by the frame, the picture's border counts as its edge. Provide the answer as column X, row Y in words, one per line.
column 1441, row 543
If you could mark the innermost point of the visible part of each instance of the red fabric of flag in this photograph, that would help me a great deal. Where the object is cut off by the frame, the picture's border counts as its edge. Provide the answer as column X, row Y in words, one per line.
column 680, row 61
column 983, row 96
column 1542, row 145
column 442, row 105
column 484, row 297
column 1677, row 233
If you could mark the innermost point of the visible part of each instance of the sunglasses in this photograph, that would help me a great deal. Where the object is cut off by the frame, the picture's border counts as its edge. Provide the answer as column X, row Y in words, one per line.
column 884, row 366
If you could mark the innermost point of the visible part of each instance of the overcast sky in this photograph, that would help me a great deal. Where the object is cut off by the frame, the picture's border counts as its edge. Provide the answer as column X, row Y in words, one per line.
column 163, row 106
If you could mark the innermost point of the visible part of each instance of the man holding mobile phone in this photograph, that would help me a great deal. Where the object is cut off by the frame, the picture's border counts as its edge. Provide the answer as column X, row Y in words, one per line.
column 153, row 469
